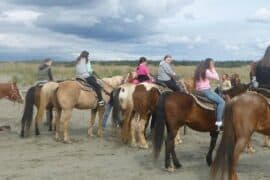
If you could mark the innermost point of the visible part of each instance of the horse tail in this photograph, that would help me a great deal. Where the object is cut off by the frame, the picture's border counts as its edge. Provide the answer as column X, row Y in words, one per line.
column 116, row 112
column 224, row 158
column 159, row 118
column 28, row 109
column 46, row 94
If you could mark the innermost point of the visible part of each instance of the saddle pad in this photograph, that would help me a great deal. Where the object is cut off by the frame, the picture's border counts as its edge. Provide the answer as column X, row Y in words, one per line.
column 204, row 102
column 84, row 85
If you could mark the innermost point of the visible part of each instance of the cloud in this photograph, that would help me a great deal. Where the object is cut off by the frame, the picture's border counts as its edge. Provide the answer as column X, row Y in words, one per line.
column 262, row 15
column 232, row 47
column 19, row 16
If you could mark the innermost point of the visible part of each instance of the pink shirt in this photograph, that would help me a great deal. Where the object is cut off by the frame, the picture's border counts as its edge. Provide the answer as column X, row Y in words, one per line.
column 142, row 69
column 205, row 84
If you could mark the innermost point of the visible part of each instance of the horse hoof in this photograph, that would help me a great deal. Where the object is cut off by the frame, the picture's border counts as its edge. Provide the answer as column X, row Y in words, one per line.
column 100, row 133
column 133, row 145
column 178, row 141
column 170, row 169
column 67, row 142
column 144, row 146
column 178, row 166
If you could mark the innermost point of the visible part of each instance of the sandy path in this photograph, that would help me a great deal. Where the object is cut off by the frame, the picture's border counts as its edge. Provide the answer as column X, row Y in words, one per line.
column 95, row 158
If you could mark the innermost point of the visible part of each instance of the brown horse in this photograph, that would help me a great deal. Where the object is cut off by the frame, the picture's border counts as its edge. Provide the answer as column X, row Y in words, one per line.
column 33, row 98
column 135, row 103
column 176, row 109
column 70, row 95
column 11, row 92
column 244, row 115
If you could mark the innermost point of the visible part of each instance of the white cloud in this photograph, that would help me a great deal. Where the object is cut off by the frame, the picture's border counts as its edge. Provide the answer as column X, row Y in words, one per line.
column 232, row 47
column 19, row 16
column 262, row 44
column 261, row 15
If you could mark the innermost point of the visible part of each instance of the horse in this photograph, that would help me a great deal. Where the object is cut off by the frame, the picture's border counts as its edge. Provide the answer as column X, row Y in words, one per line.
column 235, row 79
column 244, row 115
column 135, row 103
column 69, row 95
column 33, row 98
column 11, row 92
column 176, row 109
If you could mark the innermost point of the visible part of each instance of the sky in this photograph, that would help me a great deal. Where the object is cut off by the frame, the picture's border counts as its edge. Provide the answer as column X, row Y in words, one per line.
column 127, row 30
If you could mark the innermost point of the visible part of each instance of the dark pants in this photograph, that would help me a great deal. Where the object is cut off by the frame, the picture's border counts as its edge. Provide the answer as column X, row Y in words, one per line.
column 172, row 85
column 91, row 80
column 142, row 78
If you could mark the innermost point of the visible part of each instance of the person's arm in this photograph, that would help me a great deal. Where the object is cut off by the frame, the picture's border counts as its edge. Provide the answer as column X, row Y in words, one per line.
column 50, row 74
column 212, row 74
column 168, row 70
column 89, row 68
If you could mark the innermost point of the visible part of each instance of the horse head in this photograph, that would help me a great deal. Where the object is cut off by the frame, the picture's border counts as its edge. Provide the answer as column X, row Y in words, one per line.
column 15, row 94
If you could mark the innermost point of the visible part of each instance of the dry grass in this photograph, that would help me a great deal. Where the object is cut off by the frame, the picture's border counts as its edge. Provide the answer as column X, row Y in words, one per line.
column 26, row 73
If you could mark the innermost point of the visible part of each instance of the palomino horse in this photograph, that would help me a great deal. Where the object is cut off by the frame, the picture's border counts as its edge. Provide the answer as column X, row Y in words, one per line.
column 70, row 95
column 33, row 98
column 176, row 109
column 244, row 115
column 136, row 104
column 11, row 92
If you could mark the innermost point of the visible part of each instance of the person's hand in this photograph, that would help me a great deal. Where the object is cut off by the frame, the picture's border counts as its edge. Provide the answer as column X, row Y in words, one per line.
column 254, row 82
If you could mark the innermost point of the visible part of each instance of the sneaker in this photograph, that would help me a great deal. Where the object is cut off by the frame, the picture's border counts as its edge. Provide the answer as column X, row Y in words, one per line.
column 218, row 123
column 101, row 103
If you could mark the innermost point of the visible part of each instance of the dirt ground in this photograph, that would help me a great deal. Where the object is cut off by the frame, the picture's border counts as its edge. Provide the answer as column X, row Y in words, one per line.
column 106, row 158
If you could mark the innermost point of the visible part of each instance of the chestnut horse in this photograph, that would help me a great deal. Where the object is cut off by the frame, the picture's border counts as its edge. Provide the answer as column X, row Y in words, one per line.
column 244, row 115
column 33, row 98
column 11, row 92
column 70, row 95
column 176, row 109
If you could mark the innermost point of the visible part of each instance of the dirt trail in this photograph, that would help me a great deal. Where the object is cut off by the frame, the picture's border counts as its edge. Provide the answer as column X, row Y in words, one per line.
column 97, row 159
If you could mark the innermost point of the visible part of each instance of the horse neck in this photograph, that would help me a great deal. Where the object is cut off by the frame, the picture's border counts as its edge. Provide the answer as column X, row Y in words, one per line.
column 5, row 89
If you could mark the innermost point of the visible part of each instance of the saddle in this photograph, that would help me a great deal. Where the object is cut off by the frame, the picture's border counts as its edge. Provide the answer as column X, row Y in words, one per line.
column 84, row 84
column 264, row 92
column 40, row 83
column 203, row 101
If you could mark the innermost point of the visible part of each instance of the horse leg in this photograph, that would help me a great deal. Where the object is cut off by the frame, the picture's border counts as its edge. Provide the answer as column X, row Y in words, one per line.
column 57, row 123
column 92, row 122
column 133, row 127
column 239, row 147
column 49, row 117
column 66, row 118
column 176, row 162
column 266, row 141
column 100, row 116
column 125, row 133
column 214, row 136
column 141, row 129
column 36, row 128
column 177, row 139
column 22, row 128
column 250, row 148
column 169, row 150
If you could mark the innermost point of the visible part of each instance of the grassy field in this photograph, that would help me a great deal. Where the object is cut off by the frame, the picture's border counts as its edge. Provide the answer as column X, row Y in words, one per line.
column 26, row 73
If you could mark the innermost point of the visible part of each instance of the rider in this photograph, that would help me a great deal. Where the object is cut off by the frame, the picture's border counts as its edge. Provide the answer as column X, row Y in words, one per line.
column 262, row 72
column 166, row 74
column 82, row 70
column 142, row 71
column 226, row 83
column 44, row 71
column 205, row 72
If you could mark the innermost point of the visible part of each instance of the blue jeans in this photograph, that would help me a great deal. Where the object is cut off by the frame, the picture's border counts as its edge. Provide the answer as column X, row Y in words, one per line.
column 210, row 94
column 106, row 114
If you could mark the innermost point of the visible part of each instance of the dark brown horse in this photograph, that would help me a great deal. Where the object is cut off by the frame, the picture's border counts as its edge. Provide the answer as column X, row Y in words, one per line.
column 244, row 115
column 176, row 109
column 11, row 92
